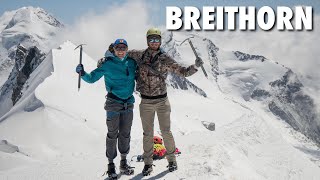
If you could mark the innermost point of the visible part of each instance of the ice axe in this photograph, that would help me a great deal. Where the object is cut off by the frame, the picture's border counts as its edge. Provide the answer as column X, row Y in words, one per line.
column 195, row 53
column 79, row 80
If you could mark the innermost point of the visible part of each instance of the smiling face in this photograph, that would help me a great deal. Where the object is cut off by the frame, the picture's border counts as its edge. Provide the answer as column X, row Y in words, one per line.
column 120, row 50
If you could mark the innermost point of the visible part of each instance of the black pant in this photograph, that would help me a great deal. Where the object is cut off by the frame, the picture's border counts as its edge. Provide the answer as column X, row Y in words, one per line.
column 119, row 122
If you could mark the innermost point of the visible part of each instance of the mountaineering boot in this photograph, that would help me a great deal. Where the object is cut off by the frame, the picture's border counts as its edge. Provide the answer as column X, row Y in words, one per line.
column 112, row 171
column 147, row 170
column 172, row 166
column 125, row 168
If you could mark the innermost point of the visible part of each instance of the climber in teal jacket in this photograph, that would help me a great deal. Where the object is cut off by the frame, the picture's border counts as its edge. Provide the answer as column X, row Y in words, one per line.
column 119, row 77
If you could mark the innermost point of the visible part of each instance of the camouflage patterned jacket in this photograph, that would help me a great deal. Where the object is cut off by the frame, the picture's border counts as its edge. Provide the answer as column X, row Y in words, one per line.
column 153, row 68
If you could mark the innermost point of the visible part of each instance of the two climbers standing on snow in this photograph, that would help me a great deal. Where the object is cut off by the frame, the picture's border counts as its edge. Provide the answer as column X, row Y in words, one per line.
column 153, row 66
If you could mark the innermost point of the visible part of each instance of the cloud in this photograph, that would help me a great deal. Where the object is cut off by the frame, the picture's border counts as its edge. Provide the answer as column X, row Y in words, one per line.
column 128, row 21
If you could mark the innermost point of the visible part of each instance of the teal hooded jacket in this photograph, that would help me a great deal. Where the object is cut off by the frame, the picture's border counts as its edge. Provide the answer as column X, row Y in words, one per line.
column 119, row 76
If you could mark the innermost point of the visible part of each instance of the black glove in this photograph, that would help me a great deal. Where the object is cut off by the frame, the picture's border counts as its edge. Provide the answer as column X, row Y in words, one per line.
column 80, row 69
column 199, row 62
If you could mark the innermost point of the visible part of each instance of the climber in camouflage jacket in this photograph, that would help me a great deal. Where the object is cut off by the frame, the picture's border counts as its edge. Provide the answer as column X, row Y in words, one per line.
column 153, row 68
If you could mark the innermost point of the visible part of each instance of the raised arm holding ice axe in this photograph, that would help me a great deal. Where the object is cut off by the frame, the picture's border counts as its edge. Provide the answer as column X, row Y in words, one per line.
column 199, row 62
column 154, row 66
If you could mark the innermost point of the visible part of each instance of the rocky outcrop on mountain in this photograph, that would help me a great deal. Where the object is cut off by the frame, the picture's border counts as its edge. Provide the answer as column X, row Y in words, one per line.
column 290, row 103
column 178, row 82
column 287, row 100
column 213, row 59
column 26, row 61
column 169, row 45
column 48, row 18
column 27, row 26
column 260, row 94
column 247, row 57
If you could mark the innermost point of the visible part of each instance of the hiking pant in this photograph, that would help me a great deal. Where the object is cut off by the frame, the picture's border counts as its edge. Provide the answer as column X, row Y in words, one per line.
column 119, row 122
column 148, row 108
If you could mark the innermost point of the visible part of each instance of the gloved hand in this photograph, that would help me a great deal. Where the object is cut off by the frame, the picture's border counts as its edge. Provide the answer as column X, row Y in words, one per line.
column 198, row 62
column 80, row 69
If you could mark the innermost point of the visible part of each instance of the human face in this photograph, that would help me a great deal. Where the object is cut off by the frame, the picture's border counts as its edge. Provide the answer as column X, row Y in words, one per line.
column 120, row 50
column 154, row 42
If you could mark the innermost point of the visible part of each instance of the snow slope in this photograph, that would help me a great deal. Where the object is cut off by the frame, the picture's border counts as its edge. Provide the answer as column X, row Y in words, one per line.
column 248, row 78
column 63, row 137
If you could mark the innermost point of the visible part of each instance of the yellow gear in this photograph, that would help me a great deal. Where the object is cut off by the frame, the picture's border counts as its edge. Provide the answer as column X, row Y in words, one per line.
column 154, row 31
column 158, row 147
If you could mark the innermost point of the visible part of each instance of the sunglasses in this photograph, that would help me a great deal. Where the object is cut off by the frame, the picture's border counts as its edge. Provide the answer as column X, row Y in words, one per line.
column 120, row 48
column 154, row 40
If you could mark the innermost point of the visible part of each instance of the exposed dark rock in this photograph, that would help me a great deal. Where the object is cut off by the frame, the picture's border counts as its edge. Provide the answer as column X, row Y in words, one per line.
column 26, row 61
column 276, row 110
column 49, row 19
column 7, row 147
column 213, row 59
column 178, row 82
column 294, row 106
column 260, row 94
column 209, row 125
column 33, row 58
column 169, row 45
column 246, row 57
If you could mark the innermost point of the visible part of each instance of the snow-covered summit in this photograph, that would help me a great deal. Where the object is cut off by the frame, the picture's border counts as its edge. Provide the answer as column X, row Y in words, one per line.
column 27, row 26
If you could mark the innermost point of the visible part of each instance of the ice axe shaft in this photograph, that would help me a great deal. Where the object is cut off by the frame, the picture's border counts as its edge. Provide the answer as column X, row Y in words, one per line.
column 195, row 53
column 79, row 79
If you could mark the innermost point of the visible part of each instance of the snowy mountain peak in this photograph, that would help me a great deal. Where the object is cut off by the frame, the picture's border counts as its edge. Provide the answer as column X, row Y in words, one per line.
column 289, row 79
column 29, row 26
column 30, row 14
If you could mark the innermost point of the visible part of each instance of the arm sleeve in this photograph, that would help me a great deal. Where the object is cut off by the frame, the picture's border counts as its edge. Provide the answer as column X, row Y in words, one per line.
column 135, row 55
column 172, row 66
column 94, row 76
